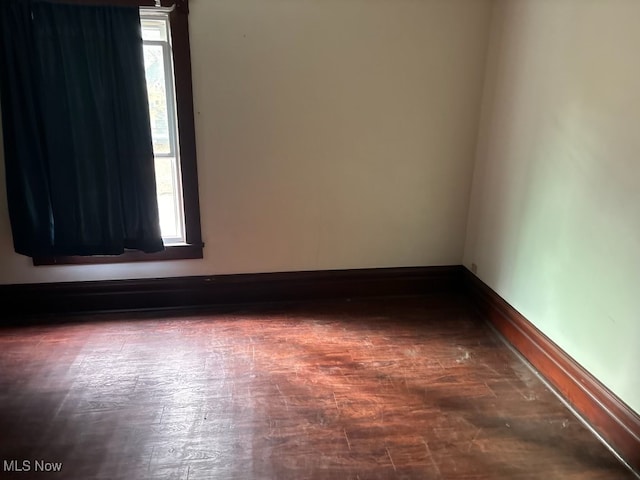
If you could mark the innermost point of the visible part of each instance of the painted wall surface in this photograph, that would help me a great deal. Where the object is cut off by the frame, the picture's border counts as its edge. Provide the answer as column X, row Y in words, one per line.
column 330, row 134
column 554, row 224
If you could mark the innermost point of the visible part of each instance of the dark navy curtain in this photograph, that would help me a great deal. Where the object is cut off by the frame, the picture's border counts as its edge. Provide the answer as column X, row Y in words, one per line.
column 77, row 138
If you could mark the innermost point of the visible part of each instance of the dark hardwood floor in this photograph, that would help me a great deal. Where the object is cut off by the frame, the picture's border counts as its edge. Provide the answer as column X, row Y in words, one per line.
column 403, row 388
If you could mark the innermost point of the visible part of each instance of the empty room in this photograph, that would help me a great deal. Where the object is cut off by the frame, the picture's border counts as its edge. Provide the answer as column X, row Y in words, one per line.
column 320, row 239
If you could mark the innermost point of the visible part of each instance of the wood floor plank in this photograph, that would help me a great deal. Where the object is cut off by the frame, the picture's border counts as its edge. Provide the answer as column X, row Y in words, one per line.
column 396, row 388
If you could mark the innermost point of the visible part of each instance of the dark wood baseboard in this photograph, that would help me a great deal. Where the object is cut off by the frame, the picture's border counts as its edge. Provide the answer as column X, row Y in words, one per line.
column 27, row 300
column 616, row 422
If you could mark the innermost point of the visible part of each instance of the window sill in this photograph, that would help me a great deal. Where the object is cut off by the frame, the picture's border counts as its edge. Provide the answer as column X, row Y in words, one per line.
column 171, row 252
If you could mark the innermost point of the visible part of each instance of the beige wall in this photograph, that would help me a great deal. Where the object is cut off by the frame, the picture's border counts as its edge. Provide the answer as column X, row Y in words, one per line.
column 330, row 134
column 555, row 210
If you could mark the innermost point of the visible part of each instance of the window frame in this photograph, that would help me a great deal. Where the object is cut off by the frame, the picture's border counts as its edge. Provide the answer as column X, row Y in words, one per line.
column 193, row 246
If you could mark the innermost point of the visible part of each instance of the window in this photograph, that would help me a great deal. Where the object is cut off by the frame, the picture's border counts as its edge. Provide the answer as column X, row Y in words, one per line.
column 164, row 125
column 168, row 73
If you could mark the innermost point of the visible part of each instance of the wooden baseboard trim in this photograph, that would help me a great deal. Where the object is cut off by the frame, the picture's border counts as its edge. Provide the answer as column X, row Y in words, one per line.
column 616, row 422
column 159, row 293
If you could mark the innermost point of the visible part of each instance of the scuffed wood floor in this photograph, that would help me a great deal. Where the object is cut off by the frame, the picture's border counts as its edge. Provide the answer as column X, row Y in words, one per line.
column 407, row 388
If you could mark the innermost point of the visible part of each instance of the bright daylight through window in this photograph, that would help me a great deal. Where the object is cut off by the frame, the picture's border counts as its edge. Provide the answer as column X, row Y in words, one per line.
column 158, row 60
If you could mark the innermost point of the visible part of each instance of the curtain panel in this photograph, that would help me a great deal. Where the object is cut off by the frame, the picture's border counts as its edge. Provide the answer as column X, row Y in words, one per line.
column 77, row 139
